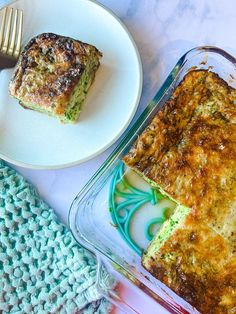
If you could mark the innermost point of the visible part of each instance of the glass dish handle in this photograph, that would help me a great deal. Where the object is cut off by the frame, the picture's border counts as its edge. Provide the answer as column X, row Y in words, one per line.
column 108, row 286
column 126, row 292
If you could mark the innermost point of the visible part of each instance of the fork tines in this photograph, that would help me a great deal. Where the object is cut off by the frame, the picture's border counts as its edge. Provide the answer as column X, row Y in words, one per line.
column 11, row 32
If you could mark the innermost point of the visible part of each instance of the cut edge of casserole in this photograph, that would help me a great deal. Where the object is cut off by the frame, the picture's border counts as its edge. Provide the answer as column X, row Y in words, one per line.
column 176, row 220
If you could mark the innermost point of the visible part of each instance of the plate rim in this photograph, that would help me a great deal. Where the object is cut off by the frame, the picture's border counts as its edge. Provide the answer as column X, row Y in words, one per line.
column 122, row 130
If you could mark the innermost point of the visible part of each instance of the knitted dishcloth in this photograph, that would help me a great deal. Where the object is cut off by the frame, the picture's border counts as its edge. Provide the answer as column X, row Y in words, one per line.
column 42, row 268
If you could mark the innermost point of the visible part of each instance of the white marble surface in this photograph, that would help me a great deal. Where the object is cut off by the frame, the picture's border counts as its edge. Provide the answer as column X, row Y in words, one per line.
column 163, row 31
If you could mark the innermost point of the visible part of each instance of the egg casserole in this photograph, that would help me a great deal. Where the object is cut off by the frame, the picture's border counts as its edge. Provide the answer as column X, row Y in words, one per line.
column 188, row 151
column 53, row 75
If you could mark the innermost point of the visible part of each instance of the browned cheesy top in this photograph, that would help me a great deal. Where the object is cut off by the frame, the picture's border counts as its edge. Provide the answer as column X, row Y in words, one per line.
column 189, row 150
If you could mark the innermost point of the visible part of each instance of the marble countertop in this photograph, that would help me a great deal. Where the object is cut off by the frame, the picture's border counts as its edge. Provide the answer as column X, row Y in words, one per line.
column 163, row 31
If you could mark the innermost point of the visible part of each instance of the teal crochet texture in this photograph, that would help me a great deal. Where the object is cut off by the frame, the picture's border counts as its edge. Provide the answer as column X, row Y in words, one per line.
column 42, row 268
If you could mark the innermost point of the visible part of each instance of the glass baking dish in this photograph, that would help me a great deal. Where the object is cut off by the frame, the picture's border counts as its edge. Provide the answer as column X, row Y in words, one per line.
column 91, row 221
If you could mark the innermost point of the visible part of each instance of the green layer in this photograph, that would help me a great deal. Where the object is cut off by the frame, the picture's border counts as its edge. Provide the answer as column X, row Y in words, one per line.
column 175, row 221
column 79, row 94
column 155, row 185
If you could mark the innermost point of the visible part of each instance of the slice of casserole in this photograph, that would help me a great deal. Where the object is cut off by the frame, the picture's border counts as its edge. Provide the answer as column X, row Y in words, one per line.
column 54, row 74
column 189, row 152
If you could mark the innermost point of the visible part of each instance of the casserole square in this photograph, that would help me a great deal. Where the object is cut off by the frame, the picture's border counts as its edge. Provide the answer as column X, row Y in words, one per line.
column 54, row 74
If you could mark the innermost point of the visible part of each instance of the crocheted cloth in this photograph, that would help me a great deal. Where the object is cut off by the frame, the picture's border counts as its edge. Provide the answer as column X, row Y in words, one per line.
column 42, row 268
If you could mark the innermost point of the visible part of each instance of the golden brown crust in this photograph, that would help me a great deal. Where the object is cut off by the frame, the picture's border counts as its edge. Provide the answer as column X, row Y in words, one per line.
column 199, row 265
column 189, row 150
column 48, row 69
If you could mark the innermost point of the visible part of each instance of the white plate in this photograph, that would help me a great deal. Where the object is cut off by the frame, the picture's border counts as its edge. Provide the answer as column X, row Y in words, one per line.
column 31, row 139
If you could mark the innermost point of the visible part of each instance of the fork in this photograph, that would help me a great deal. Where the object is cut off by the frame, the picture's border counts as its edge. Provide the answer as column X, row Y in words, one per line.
column 10, row 37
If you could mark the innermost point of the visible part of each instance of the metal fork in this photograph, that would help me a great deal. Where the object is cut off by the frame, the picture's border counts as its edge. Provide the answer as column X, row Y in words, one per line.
column 10, row 37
